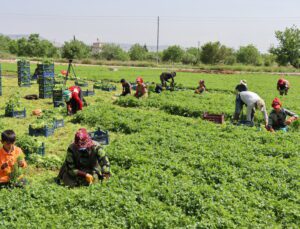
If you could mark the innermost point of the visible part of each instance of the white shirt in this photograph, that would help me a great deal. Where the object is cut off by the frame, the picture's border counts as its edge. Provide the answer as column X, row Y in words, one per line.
column 250, row 99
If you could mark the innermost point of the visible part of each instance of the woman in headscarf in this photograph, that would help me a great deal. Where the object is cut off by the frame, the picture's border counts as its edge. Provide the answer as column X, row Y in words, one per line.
column 85, row 163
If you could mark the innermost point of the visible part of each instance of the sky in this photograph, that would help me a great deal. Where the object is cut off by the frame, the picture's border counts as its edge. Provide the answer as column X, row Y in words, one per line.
column 187, row 23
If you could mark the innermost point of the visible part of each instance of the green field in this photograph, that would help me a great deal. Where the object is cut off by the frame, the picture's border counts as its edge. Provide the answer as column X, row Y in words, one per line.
column 171, row 169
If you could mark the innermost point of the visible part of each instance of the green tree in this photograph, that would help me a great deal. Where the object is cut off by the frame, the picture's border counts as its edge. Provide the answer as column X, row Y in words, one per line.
column 4, row 43
column 33, row 47
column 215, row 53
column 113, row 52
column 288, row 50
column 189, row 58
column 75, row 50
column 249, row 55
column 137, row 52
column 173, row 53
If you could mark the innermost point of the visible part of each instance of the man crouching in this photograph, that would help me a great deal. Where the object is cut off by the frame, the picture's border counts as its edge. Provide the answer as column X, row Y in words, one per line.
column 85, row 163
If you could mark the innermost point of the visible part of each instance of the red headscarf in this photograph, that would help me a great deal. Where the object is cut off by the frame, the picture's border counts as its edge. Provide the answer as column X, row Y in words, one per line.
column 276, row 103
column 83, row 139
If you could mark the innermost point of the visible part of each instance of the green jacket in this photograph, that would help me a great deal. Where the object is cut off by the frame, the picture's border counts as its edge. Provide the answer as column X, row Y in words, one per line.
column 78, row 163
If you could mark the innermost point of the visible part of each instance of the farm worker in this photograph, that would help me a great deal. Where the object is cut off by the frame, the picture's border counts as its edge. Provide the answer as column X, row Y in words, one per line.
column 283, row 86
column 158, row 88
column 141, row 88
column 253, row 102
column 126, row 87
column 277, row 117
column 201, row 88
column 164, row 78
column 11, row 159
column 242, row 86
column 85, row 163
column 74, row 99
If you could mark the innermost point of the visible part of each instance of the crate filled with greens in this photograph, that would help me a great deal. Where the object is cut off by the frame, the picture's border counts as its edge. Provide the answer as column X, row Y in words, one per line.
column 104, row 86
column 45, row 80
column 13, row 107
column 57, row 95
column 24, row 77
column 88, row 92
column 46, row 124
column 81, row 83
column 30, row 145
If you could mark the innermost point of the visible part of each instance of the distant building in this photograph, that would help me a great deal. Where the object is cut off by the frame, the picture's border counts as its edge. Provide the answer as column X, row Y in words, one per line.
column 97, row 47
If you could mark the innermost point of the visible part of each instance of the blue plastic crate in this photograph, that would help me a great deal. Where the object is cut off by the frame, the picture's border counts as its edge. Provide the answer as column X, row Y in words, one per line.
column 45, row 96
column 100, row 136
column 108, row 88
column 81, row 84
column 16, row 114
column 58, row 103
column 88, row 93
column 45, row 131
column 59, row 123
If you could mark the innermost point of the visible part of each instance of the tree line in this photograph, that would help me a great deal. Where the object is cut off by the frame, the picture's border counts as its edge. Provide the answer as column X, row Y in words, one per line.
column 286, row 53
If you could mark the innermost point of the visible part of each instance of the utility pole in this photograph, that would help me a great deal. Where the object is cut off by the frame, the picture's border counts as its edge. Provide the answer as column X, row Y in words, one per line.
column 157, row 43
column 198, row 51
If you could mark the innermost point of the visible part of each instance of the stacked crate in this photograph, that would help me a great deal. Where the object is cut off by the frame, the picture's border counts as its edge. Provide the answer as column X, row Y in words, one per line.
column 58, row 97
column 24, row 73
column 0, row 81
column 45, row 80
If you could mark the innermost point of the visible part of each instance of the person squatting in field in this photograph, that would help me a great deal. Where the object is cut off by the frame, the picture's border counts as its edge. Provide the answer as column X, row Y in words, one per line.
column 283, row 86
column 12, row 160
column 74, row 99
column 85, row 163
column 201, row 88
column 141, row 89
column 253, row 102
column 165, row 77
column 126, row 87
column 277, row 117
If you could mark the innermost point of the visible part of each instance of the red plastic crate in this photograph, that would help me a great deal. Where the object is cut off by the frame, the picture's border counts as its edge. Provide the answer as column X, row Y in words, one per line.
column 214, row 118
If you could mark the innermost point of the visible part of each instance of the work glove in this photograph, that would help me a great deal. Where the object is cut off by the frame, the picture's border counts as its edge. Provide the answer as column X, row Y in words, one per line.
column 106, row 176
column 89, row 178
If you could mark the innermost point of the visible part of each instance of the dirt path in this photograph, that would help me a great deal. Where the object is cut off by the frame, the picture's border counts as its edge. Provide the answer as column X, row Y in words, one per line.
column 177, row 69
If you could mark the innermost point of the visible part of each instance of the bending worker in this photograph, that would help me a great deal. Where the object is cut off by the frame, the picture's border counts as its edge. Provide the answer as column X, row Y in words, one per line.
column 283, row 86
column 74, row 99
column 164, row 78
column 253, row 102
column 277, row 117
column 85, row 163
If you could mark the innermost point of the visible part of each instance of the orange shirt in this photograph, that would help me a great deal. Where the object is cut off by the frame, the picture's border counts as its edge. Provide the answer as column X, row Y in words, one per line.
column 10, row 159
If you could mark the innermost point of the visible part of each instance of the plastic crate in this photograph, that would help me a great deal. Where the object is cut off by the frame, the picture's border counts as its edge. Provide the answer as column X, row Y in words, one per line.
column 45, row 68
column 214, row 118
column 45, row 131
column 59, row 123
column 100, row 136
column 88, row 93
column 58, row 103
column 109, row 88
column 85, row 84
column 16, row 114
column 45, row 96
